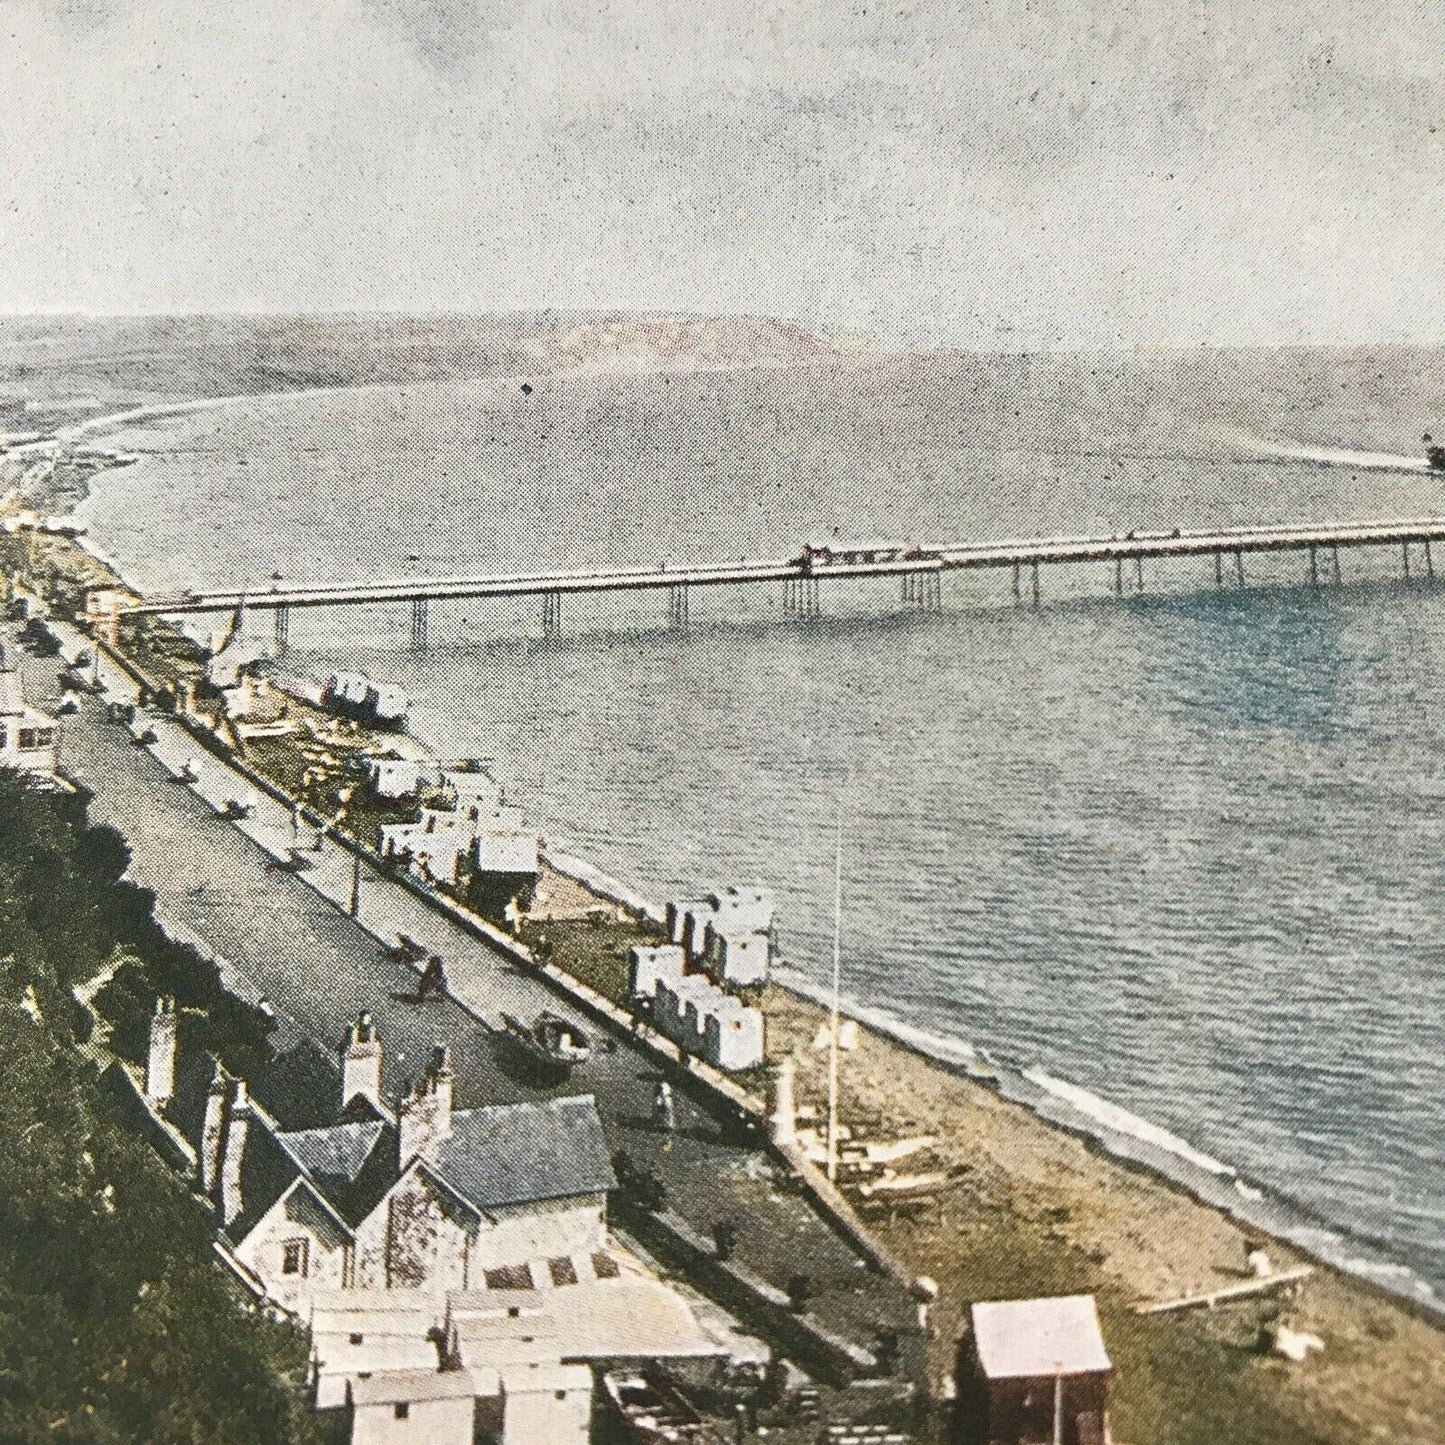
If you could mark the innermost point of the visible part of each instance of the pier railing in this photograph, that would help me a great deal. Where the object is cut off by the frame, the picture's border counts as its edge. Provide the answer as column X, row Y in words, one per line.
column 919, row 567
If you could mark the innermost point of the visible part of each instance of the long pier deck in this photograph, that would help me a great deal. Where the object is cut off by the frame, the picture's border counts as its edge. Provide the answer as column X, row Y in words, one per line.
column 920, row 567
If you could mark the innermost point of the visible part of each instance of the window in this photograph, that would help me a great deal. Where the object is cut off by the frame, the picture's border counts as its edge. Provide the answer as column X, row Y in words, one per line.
column 32, row 738
column 402, row 1409
column 293, row 1257
column 355, row 1339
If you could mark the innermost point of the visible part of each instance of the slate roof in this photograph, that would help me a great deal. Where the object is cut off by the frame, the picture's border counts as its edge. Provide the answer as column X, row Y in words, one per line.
column 518, row 1153
column 267, row 1172
column 338, row 1152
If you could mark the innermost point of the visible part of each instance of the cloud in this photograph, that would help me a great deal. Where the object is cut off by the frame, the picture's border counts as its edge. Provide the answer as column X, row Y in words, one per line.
column 447, row 34
column 1027, row 168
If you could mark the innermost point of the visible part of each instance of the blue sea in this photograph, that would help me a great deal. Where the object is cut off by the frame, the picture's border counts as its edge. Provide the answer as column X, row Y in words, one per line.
column 1175, row 857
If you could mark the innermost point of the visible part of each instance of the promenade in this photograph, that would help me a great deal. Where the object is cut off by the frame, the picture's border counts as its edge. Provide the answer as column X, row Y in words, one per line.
column 286, row 936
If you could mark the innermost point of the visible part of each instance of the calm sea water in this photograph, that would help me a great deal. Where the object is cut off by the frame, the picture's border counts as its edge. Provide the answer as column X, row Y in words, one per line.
column 1185, row 850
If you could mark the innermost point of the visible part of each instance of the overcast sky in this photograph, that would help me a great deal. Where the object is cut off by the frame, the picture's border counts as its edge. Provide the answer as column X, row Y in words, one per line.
column 1024, row 172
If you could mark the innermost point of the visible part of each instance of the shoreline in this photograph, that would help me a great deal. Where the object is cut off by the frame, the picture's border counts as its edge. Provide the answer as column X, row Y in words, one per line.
column 1128, row 1227
column 1130, row 1140
column 1212, row 1183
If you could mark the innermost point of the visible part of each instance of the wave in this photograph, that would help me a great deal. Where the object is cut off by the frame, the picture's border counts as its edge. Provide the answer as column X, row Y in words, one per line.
column 1121, row 1121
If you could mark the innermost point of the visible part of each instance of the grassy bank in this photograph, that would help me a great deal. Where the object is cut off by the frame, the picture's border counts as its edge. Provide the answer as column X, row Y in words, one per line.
column 116, row 1320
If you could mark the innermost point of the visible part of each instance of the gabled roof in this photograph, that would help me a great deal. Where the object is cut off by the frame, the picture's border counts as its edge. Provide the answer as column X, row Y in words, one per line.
column 1030, row 1339
column 338, row 1152
column 520, row 1153
column 267, row 1172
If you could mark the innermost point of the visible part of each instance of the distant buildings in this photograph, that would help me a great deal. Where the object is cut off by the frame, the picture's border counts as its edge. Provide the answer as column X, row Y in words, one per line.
column 473, row 839
column 29, row 738
column 1034, row 1370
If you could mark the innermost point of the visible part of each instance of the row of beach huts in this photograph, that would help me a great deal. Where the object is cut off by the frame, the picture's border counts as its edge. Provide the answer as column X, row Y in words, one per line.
column 718, row 947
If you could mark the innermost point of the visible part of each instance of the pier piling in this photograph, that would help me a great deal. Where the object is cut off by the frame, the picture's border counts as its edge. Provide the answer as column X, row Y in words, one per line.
column 1018, row 593
column 1314, row 570
column 1239, row 564
column 282, row 622
column 1138, row 574
column 1405, row 554
column 677, row 605
column 418, row 624
column 1339, row 582
column 551, row 613
column 1036, row 584
column 1219, row 569
column 1429, row 565
column 1118, row 576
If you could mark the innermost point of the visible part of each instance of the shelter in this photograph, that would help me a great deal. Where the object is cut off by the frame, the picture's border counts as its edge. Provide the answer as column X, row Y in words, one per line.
column 1035, row 1372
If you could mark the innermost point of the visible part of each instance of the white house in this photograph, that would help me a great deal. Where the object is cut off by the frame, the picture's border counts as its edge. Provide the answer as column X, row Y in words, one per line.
column 29, row 738
column 414, row 1407
column 428, row 1198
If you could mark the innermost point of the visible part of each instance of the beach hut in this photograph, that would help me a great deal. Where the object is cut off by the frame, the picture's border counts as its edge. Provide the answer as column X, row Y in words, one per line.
column 1034, row 1372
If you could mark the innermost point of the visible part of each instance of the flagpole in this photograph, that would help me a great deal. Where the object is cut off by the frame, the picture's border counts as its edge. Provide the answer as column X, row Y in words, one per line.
column 837, row 978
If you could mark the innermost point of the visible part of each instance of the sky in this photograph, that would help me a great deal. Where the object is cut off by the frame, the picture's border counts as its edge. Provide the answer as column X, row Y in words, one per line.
column 1021, row 173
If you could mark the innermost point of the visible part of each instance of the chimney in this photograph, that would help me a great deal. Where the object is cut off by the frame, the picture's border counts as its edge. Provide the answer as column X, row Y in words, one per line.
column 424, row 1118
column 233, row 1153
column 160, row 1084
column 361, row 1063
column 785, row 1112
column 213, row 1132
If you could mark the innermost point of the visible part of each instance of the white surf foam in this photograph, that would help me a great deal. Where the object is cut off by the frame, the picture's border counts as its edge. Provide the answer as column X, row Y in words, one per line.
column 1121, row 1121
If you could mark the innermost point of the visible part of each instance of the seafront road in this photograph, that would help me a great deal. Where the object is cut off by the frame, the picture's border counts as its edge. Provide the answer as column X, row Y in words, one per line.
column 287, row 937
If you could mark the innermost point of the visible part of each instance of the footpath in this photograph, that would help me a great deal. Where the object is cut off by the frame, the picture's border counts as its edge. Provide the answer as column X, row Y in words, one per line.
column 289, row 936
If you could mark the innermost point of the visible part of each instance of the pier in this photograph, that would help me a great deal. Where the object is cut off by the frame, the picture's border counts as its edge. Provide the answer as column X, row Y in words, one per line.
column 919, row 570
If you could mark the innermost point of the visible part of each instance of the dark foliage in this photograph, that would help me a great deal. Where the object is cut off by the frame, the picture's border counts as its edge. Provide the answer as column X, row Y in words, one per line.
column 116, row 1321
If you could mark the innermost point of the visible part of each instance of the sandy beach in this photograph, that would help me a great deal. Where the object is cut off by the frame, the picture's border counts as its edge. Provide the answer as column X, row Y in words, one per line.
column 1025, row 1208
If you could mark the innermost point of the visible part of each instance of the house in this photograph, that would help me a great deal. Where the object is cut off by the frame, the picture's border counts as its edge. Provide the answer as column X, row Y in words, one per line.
column 1034, row 1371
column 414, row 1407
column 528, row 1354
column 29, row 738
column 424, row 1197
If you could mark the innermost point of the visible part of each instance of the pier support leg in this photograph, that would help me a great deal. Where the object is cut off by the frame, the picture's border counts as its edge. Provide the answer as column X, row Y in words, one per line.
column 1138, row 574
column 283, row 627
column 1118, row 576
column 1405, row 553
column 1429, row 565
column 1018, row 594
column 418, row 624
column 551, row 613
column 677, row 605
column 1219, row 569
column 1338, row 580
column 1239, row 565
column 1314, row 570
column 1036, row 584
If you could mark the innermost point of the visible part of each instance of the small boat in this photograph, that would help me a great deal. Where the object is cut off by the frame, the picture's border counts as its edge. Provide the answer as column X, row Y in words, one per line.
column 552, row 1042
column 652, row 1412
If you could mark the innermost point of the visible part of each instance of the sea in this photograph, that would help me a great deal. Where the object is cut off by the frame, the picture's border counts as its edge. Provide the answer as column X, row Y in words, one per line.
column 1170, row 864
